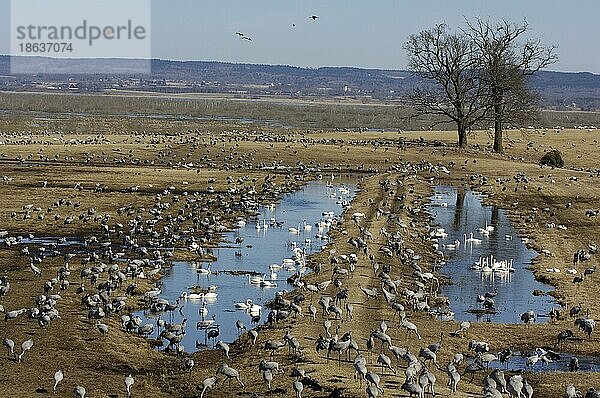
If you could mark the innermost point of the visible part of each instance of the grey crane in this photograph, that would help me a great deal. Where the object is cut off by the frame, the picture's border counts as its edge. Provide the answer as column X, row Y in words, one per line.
column 339, row 346
column 8, row 343
column 385, row 361
column 298, row 373
column 370, row 293
column 269, row 365
column 436, row 346
column 486, row 358
column 398, row 351
column 374, row 380
column 312, row 310
column 384, row 338
column 207, row 383
column 372, row 392
column 13, row 314
column 273, row 346
column 254, row 334
column 230, row 373
column 410, row 327
column 240, row 326
column 26, row 346
column 528, row 317
column 488, row 382
column 224, row 348
column 327, row 326
column 189, row 364
column 498, row 376
column 453, row 376
column 429, row 355
column 571, row 392
column 592, row 393
column 412, row 388
column 383, row 326
column 527, row 390
column 337, row 311
column 349, row 310
column 573, row 364
column 79, row 392
column 464, row 326
column 562, row 337
column 267, row 376
column 490, row 392
column 298, row 388
column 479, row 346
column 58, row 376
column 427, row 381
column 128, row 384
column 514, row 387
column 102, row 327
column 360, row 368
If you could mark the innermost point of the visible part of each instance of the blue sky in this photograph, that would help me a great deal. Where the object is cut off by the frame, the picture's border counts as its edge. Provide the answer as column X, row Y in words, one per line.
column 348, row 32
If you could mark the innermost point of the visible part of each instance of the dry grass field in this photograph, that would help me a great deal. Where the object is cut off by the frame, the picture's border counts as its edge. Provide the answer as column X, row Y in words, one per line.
column 102, row 164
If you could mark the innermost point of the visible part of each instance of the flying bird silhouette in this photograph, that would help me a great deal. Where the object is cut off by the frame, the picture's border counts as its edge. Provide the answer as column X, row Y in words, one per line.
column 240, row 34
column 314, row 17
column 246, row 38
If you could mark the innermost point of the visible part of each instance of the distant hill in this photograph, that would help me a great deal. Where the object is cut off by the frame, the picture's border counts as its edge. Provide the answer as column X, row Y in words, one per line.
column 559, row 90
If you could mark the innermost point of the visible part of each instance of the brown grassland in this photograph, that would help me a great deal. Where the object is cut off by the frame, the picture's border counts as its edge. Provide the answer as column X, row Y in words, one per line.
column 104, row 151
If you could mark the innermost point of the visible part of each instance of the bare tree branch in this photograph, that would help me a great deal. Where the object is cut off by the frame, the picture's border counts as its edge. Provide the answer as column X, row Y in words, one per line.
column 452, row 88
column 507, row 58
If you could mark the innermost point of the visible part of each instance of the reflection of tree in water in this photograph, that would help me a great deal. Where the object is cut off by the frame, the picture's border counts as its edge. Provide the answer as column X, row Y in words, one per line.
column 493, row 237
column 460, row 201
column 495, row 216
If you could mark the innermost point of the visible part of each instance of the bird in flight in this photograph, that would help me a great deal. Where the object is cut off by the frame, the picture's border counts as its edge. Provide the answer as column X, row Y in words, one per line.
column 243, row 36
column 314, row 17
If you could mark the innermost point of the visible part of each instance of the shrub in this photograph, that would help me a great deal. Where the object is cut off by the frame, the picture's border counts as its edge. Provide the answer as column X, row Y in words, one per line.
column 553, row 159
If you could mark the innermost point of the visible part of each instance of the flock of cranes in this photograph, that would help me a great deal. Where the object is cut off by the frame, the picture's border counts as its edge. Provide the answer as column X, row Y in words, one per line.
column 115, row 264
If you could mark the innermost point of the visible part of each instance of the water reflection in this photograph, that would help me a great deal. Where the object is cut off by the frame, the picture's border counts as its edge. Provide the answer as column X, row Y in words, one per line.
column 474, row 233
column 253, row 263
column 560, row 362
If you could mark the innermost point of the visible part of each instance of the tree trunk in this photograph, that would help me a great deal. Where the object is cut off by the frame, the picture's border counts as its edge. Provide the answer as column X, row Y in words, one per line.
column 498, row 116
column 462, row 136
column 498, row 136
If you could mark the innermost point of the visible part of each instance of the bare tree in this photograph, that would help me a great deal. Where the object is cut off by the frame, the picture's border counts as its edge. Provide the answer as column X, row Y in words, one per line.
column 452, row 88
column 506, row 59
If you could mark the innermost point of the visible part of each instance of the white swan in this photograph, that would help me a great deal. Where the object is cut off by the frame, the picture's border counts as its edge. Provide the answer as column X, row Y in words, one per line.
column 307, row 227
column 293, row 230
column 287, row 262
column 265, row 283
column 210, row 296
column 191, row 296
column 452, row 246
column 243, row 306
column 255, row 280
column 204, row 271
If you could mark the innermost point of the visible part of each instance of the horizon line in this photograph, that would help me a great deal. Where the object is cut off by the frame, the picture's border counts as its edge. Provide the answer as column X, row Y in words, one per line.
column 242, row 63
